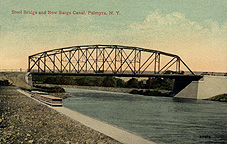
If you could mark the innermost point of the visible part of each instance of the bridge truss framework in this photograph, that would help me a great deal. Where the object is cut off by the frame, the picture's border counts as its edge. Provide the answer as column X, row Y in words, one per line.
column 106, row 60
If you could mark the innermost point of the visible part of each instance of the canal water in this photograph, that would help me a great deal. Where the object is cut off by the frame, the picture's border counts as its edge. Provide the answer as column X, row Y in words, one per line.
column 161, row 119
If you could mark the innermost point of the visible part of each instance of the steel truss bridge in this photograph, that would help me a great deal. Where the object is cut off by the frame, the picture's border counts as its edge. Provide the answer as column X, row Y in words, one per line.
column 107, row 60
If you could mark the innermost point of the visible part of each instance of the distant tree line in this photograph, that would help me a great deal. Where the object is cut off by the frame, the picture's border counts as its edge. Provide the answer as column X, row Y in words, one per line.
column 150, row 83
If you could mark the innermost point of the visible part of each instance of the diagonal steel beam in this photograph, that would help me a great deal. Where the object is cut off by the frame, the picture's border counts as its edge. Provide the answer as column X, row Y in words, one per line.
column 145, row 62
column 36, row 61
column 53, row 63
column 169, row 67
column 166, row 65
column 124, row 61
column 148, row 65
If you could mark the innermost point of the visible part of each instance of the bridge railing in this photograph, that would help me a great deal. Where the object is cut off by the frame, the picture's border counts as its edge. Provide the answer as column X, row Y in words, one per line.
column 13, row 70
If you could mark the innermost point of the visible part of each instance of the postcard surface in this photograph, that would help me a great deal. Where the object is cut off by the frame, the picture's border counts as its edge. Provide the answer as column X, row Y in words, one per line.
column 192, row 32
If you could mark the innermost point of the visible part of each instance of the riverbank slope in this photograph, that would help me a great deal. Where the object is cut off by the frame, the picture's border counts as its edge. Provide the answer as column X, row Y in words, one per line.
column 23, row 120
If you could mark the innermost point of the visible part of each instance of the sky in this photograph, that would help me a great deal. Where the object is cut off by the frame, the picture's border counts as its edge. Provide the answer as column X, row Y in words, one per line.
column 196, row 30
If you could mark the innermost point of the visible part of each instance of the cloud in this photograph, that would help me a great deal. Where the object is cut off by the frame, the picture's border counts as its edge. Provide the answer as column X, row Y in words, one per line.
column 177, row 25
column 194, row 41
column 202, row 44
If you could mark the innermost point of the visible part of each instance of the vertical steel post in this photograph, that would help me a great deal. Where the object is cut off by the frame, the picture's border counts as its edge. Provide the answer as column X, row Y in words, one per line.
column 103, row 59
column 135, row 62
column 121, row 59
column 159, row 61
column 70, row 57
column 139, row 61
column 61, row 59
column 179, row 66
column 44, row 62
column 54, row 63
column 155, row 60
column 78, row 62
column 29, row 64
column 86, row 59
column 96, row 69
column 115, row 62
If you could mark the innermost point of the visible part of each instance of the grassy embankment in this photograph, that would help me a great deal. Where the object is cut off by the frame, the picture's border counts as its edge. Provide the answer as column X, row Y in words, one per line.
column 18, row 79
column 222, row 98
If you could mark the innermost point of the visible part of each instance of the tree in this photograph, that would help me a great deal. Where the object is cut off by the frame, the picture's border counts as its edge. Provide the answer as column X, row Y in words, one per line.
column 160, row 83
column 151, row 84
column 120, row 83
column 109, row 82
column 132, row 83
column 142, row 84
column 98, row 81
column 84, row 81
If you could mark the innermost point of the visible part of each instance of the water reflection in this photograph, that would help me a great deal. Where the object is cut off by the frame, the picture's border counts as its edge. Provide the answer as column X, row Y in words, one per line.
column 184, row 100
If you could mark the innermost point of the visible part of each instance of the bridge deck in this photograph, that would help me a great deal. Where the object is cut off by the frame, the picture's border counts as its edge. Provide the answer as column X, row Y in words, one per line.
column 196, row 77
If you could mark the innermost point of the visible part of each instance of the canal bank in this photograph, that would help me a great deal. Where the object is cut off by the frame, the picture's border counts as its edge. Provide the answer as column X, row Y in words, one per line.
column 24, row 120
column 112, row 131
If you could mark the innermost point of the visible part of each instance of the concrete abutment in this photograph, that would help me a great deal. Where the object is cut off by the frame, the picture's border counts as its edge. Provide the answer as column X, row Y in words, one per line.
column 28, row 78
column 204, row 88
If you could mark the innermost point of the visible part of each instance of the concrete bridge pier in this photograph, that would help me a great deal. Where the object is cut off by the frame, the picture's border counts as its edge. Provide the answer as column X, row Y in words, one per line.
column 202, row 88
column 28, row 78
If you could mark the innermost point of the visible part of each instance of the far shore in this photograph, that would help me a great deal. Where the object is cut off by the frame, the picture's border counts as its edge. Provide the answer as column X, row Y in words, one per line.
column 112, row 89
